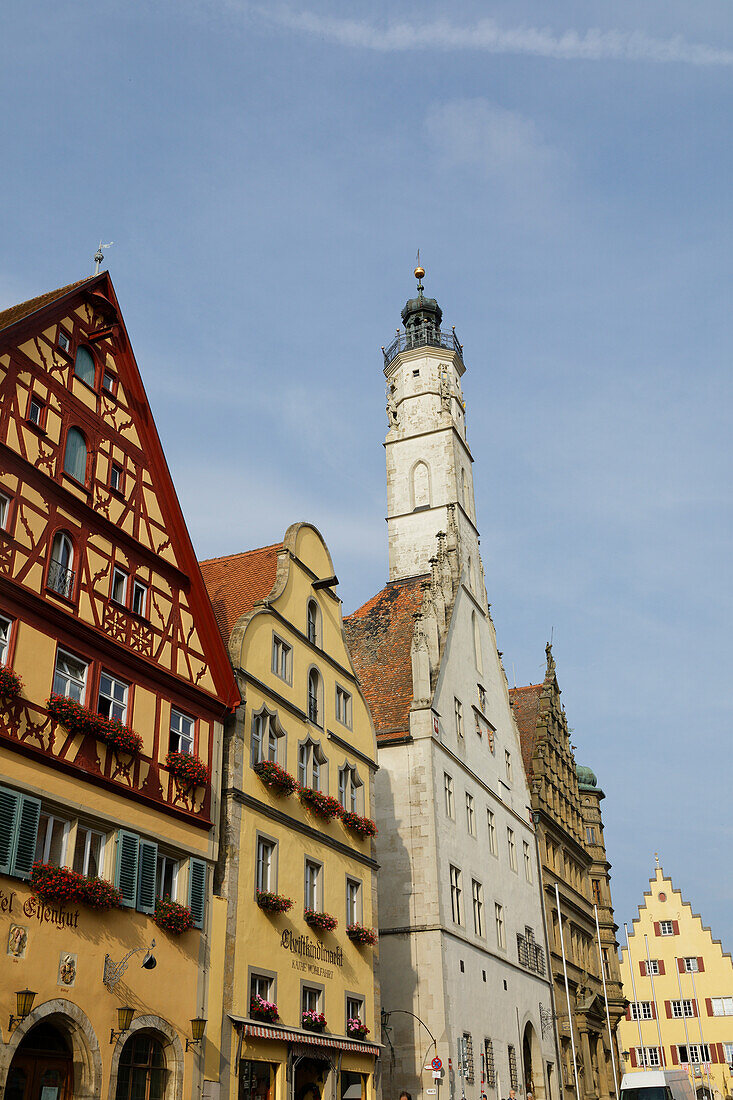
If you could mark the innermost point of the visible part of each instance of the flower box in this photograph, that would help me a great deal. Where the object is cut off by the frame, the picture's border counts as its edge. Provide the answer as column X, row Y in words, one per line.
column 79, row 719
column 11, row 684
column 172, row 917
column 187, row 769
column 323, row 805
column 357, row 933
column 324, row 922
column 273, row 903
column 260, row 1009
column 62, row 885
column 356, row 1029
column 313, row 1021
column 362, row 826
column 275, row 777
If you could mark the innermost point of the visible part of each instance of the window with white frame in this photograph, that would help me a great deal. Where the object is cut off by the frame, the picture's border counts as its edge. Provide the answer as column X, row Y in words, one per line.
column 313, row 882
column 60, row 576
column 266, row 736
column 282, row 659
column 312, row 766
column 641, row 1010
column 181, row 732
column 52, row 839
column 728, row 1053
column 508, row 764
column 648, row 1056
column 499, row 920
column 353, row 901
column 455, row 894
column 682, row 1008
column 88, row 852
column 70, row 676
column 470, row 815
column 63, row 340
column 109, row 381
column 652, row 967
column 112, row 700
column 527, row 861
column 666, row 928
column 115, row 477
column 139, row 598
column 36, row 409
column 4, row 511
column 311, row 999
column 722, row 1006
column 511, row 848
column 458, row 710
column 350, row 789
column 695, row 1053
column 448, row 789
column 355, row 1008
column 265, row 869
column 166, row 877
column 477, row 895
column 118, row 587
column 260, row 985
column 691, row 964
column 491, row 823
column 343, row 706
column 5, row 625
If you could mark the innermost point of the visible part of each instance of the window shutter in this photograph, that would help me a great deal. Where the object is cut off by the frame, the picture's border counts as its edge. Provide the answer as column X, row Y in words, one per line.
column 709, row 1005
column 9, row 803
column 633, row 1057
column 657, row 931
column 197, row 890
column 654, row 1010
column 681, row 965
column 628, row 1011
column 721, row 1053
column 662, row 1056
column 676, row 927
column 700, row 964
column 25, row 844
column 642, row 969
column 128, row 845
column 675, row 1055
column 147, row 866
column 694, row 1008
column 713, row 1052
column 661, row 968
column 668, row 1009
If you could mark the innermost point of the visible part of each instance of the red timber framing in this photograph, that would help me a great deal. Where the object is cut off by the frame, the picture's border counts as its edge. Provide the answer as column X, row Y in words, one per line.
column 120, row 512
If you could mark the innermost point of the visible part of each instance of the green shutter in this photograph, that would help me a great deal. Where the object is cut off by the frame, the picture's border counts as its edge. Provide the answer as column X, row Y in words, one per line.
column 25, row 844
column 147, row 866
column 128, row 845
column 9, row 803
column 197, row 890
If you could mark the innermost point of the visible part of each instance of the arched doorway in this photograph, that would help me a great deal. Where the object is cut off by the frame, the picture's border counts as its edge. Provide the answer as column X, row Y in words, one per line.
column 42, row 1066
column 309, row 1077
column 142, row 1072
column 534, row 1079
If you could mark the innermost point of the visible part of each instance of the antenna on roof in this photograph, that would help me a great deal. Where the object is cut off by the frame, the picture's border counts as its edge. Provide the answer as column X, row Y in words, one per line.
column 99, row 255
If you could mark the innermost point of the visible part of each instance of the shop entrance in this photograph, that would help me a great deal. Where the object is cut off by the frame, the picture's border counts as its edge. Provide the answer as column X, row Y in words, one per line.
column 309, row 1078
column 42, row 1067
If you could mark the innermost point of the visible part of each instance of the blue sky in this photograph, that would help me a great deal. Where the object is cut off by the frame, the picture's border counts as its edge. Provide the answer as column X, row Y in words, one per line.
column 267, row 172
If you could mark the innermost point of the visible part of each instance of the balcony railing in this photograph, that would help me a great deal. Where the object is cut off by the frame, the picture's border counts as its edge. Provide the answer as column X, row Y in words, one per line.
column 60, row 579
column 425, row 336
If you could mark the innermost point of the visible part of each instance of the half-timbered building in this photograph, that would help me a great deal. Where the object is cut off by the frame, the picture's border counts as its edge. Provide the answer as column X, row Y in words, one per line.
column 114, row 683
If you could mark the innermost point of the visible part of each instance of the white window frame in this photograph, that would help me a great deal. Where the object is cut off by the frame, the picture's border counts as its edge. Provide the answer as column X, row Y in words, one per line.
column 310, row 998
column 500, row 926
column 260, row 985
column 89, row 834
column 723, row 1004
column 458, row 713
column 641, row 1010
column 697, row 1053
column 111, row 699
column 491, row 825
column 4, row 511
column 266, row 737
column 350, row 789
column 456, row 893
column 728, row 1053
column 179, row 739
column 691, row 964
column 35, row 410
column 470, row 815
column 448, row 791
column 137, row 588
column 108, row 375
column 648, row 1057
column 477, row 897
column 116, row 474
column 6, row 625
column 282, row 659
column 652, row 967
column 508, row 764
column 265, row 864
column 353, row 901
column 683, row 1009
column 511, row 849
column 527, row 861
column 43, row 845
column 354, row 1003
column 666, row 928
column 118, row 585
column 343, row 706
column 81, row 683
column 63, row 340
column 163, row 863
column 313, row 886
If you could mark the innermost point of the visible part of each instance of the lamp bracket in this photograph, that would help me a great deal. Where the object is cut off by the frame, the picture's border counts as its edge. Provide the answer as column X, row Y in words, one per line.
column 113, row 971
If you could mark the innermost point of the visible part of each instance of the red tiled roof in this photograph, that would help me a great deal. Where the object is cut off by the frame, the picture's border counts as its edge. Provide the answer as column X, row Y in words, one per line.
column 24, row 309
column 380, row 640
column 525, row 703
column 237, row 581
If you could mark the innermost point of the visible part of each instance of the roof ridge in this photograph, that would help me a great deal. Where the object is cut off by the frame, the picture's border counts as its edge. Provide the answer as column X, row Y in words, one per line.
column 241, row 553
column 32, row 305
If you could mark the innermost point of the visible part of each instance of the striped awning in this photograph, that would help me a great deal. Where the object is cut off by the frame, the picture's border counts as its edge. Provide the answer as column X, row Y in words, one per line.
column 256, row 1030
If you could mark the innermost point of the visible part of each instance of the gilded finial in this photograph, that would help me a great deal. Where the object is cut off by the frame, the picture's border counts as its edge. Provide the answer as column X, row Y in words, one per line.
column 419, row 271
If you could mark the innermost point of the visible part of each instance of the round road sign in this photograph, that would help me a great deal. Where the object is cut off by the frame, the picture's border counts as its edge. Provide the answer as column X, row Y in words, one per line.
column 436, row 1063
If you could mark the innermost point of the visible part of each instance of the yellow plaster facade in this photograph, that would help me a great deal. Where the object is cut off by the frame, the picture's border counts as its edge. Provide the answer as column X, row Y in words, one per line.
column 685, row 1005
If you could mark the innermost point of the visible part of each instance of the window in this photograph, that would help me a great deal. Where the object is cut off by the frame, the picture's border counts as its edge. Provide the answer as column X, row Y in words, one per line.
column 109, row 382
column 499, row 918
column 311, row 999
column 265, row 737
column 684, row 1008
column 260, row 986
column 36, row 411
column 652, row 967
column 51, row 841
column 118, row 587
column 354, row 1008
column 313, row 622
column 84, row 365
column 350, row 789
column 282, row 656
column 458, row 708
column 88, row 852
column 666, row 928
column 467, row 1045
column 481, row 697
column 590, row 834
column 181, row 732
column 721, row 1006
column 70, row 676
column 312, row 884
column 343, row 706
column 116, row 474
column 508, row 765
column 691, row 964
column 5, row 625
column 139, row 598
column 264, row 876
column 455, row 894
column 695, row 1053
column 448, row 788
column 648, row 1057
column 142, row 1070
column 728, row 1053
column 315, row 696
column 470, row 815
column 477, row 894
column 63, row 341
column 490, row 821
column 60, row 578
column 527, row 861
column 606, row 964
column 4, row 511
column 512, row 1054
column 112, row 701
column 19, row 816
column 489, row 1063
column 312, row 766
column 76, row 456
column 596, row 890
column 353, row 901
column 511, row 848
column 641, row 1010
column 166, row 877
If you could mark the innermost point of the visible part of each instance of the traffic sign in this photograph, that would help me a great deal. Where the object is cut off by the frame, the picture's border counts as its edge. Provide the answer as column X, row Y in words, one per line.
column 436, row 1063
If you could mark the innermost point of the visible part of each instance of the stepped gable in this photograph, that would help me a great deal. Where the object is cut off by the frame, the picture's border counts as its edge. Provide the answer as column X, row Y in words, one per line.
column 380, row 636
column 525, row 703
column 236, row 582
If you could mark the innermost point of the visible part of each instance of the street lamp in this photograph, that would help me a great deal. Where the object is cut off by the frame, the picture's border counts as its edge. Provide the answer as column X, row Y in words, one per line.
column 124, row 1019
column 198, row 1027
column 24, row 999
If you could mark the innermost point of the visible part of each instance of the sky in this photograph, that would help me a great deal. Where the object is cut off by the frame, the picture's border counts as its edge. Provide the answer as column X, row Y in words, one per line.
column 268, row 171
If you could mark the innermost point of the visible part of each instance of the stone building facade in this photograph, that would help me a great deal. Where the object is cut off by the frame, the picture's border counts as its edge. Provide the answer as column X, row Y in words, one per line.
column 566, row 805
column 461, row 958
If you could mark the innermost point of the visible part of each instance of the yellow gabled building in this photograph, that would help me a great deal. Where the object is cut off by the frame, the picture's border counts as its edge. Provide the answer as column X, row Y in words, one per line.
column 679, row 982
column 296, row 875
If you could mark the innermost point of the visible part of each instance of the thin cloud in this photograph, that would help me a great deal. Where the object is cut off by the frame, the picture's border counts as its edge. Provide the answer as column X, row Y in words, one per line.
column 486, row 35
column 478, row 134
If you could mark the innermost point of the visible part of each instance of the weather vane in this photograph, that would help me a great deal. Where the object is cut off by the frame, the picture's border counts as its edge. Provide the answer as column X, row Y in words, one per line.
column 99, row 255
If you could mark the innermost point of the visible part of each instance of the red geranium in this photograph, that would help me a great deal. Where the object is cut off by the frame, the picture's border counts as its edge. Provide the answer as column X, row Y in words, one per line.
column 172, row 917
column 324, row 805
column 187, row 769
column 11, row 684
column 362, row 826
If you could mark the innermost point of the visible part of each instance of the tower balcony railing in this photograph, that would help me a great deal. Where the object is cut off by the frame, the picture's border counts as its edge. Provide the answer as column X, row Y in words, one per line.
column 424, row 336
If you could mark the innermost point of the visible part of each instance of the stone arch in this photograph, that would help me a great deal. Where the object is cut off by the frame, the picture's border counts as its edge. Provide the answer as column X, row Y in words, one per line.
column 532, row 1062
column 172, row 1047
column 420, row 486
column 76, row 1026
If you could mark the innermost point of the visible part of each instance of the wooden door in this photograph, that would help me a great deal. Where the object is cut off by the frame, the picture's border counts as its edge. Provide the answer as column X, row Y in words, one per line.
column 38, row 1077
